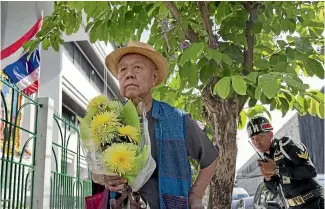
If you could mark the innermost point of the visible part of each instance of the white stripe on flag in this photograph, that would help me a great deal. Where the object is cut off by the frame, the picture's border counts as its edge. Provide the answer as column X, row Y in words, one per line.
column 28, row 80
column 12, row 58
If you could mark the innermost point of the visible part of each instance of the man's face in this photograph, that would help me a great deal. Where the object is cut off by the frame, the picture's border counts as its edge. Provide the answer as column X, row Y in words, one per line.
column 262, row 142
column 137, row 75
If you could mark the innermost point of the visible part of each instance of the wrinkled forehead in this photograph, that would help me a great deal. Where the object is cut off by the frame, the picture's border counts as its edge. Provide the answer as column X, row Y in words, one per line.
column 135, row 58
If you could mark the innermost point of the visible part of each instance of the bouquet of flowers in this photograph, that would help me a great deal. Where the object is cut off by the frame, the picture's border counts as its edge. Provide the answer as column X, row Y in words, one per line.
column 115, row 140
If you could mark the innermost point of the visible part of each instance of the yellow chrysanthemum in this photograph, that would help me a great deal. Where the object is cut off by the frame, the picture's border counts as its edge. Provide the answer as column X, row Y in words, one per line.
column 130, row 132
column 119, row 158
column 97, row 105
column 115, row 106
column 103, row 126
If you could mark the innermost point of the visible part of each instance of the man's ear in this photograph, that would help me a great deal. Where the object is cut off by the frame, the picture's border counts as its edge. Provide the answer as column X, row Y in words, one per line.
column 154, row 77
column 271, row 134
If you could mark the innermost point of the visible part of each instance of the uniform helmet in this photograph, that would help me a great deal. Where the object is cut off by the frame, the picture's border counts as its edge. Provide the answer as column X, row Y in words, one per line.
column 258, row 125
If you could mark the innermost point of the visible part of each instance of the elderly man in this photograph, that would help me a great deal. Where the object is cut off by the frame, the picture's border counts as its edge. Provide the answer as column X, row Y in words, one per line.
column 174, row 135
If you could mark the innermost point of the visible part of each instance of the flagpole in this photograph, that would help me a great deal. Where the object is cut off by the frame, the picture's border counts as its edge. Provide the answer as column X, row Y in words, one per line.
column 40, row 62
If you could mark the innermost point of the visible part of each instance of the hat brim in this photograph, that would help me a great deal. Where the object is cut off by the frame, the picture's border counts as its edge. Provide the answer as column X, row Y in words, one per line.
column 113, row 59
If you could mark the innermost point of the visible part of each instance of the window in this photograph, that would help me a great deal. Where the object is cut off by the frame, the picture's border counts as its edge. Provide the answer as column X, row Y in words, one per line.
column 68, row 115
column 83, row 65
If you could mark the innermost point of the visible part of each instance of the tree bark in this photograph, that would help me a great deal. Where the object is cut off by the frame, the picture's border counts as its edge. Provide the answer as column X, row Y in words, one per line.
column 223, row 115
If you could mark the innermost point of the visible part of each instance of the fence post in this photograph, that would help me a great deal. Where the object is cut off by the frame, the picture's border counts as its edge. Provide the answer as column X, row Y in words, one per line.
column 43, row 152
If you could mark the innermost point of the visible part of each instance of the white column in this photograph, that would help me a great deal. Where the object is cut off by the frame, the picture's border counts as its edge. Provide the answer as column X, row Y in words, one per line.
column 42, row 178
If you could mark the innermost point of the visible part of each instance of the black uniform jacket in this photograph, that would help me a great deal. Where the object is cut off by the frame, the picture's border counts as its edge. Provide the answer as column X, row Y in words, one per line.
column 296, row 170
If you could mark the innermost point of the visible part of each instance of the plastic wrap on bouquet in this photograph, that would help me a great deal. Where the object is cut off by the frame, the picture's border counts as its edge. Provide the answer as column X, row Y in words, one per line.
column 149, row 165
column 115, row 140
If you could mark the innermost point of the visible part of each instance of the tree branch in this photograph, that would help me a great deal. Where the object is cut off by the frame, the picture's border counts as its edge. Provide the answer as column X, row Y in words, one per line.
column 203, row 7
column 248, row 53
column 189, row 33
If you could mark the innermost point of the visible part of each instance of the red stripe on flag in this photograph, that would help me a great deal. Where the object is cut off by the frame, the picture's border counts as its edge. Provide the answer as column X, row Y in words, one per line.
column 18, row 44
column 31, row 89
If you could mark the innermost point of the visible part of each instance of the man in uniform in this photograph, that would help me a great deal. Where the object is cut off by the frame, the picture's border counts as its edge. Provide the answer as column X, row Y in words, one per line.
column 287, row 166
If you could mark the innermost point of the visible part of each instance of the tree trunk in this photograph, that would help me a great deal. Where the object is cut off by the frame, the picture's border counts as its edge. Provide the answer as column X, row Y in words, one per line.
column 223, row 115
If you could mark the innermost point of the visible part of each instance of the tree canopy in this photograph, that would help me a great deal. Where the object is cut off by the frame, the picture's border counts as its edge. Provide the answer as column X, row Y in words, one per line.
column 202, row 40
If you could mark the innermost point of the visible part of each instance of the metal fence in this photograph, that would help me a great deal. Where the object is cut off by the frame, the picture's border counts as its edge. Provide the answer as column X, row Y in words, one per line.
column 17, row 156
column 68, row 188
column 39, row 167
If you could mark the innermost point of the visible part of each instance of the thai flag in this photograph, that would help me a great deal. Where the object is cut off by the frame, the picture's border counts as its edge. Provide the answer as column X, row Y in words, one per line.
column 23, row 72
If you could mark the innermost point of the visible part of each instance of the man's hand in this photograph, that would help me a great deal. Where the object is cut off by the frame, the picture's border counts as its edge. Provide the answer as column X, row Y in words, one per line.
column 113, row 183
column 195, row 201
column 267, row 168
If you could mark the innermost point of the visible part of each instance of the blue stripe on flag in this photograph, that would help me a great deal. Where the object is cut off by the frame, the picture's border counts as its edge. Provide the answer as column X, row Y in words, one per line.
column 23, row 67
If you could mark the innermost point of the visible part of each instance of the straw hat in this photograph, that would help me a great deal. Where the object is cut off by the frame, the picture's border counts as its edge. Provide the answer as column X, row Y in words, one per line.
column 136, row 47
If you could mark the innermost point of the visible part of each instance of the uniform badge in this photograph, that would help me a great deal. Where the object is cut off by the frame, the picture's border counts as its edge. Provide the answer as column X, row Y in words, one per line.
column 303, row 155
column 279, row 157
column 286, row 180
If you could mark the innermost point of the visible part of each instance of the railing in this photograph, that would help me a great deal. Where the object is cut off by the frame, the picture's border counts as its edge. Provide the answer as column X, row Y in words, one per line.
column 39, row 168
column 68, row 189
column 17, row 162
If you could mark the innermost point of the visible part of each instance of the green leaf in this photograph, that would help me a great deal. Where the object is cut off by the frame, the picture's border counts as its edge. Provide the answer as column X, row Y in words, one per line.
column 182, row 60
column 290, row 53
column 202, row 62
column 192, row 76
column 213, row 54
column 182, row 73
column 222, row 87
column 206, row 73
column 281, row 66
column 257, row 27
column 46, row 44
column 262, row 64
column 300, row 105
column 284, row 103
column 242, row 120
column 129, row 15
column 239, row 84
column 313, row 106
column 292, row 26
column 163, row 11
column 156, row 94
column 252, row 76
column 292, row 82
column 234, row 52
column 303, row 45
column 274, row 59
column 226, row 59
column 288, row 96
column 317, row 95
column 320, row 111
column 276, row 27
column 252, row 102
column 257, row 110
column 315, row 67
column 269, row 85
column 299, row 56
column 274, row 104
column 27, row 44
column 282, row 43
column 258, row 92
column 195, row 49
column 89, row 25
column 181, row 34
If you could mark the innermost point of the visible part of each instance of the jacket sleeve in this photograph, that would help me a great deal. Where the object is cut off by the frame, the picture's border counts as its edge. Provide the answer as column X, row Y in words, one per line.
column 302, row 165
column 272, row 185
